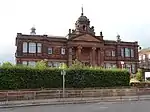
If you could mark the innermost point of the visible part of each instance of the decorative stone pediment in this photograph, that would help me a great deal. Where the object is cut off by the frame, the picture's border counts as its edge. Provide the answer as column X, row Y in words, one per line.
column 87, row 37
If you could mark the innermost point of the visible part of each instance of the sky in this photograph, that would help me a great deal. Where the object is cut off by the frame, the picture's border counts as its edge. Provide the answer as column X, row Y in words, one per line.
column 128, row 18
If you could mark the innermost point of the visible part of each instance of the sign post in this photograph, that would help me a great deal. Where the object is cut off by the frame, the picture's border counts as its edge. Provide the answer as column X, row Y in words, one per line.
column 63, row 73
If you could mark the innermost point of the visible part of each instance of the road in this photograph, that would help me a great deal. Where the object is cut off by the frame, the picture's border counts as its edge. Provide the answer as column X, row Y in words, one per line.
column 139, row 106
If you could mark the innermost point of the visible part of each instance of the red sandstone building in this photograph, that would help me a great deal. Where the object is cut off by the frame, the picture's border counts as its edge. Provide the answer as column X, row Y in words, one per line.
column 81, row 43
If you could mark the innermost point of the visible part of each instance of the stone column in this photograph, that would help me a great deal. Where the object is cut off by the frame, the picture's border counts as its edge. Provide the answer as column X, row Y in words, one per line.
column 79, row 48
column 102, row 56
column 70, row 56
column 93, row 56
column 99, row 57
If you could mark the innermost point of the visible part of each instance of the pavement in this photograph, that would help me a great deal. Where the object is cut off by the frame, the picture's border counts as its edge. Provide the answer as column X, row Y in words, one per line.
column 62, row 101
column 138, row 106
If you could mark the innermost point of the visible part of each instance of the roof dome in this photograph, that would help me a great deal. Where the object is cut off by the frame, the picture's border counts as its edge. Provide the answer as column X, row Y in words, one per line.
column 83, row 18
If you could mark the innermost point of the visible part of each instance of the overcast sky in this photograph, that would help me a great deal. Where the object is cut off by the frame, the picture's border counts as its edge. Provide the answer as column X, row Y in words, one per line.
column 129, row 18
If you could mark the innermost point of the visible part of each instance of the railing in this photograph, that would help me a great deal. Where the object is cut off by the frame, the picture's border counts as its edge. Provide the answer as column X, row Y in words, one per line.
column 58, row 94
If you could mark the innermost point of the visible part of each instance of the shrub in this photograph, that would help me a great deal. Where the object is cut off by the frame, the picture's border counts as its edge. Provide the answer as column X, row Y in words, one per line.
column 23, row 77
column 82, row 78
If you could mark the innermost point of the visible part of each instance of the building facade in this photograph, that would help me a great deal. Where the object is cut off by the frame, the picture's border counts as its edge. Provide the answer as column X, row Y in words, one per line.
column 144, row 58
column 81, row 44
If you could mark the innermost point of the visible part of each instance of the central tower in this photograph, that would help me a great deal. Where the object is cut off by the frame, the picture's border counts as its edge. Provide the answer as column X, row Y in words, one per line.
column 82, row 26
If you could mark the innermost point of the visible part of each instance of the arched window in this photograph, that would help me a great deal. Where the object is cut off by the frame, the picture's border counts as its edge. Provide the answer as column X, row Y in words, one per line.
column 84, row 27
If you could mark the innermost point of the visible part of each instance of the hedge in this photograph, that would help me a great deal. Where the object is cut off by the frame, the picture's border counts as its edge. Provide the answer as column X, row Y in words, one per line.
column 32, row 78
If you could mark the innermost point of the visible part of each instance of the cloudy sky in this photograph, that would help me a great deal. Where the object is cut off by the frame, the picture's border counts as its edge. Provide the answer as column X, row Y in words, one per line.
column 129, row 18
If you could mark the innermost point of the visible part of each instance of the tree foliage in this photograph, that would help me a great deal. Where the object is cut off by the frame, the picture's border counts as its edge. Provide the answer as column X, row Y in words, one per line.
column 63, row 66
column 7, row 64
column 77, row 64
column 139, row 76
column 41, row 64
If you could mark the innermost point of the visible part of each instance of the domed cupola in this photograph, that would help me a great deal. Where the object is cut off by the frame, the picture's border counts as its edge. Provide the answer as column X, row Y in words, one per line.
column 82, row 25
column 83, row 20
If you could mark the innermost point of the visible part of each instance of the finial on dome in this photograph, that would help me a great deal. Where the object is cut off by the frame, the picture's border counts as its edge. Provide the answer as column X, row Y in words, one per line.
column 82, row 11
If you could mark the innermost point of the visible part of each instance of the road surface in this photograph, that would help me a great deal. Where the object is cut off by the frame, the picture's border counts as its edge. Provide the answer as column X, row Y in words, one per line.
column 137, row 106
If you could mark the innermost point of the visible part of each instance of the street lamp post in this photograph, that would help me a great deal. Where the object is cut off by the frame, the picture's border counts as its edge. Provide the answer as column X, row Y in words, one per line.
column 63, row 73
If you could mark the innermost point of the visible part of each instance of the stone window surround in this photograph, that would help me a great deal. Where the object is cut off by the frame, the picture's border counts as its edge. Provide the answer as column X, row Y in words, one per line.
column 36, row 48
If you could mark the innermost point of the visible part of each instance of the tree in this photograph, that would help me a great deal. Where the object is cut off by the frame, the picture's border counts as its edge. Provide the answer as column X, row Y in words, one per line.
column 77, row 64
column 139, row 76
column 7, row 64
column 41, row 64
column 63, row 66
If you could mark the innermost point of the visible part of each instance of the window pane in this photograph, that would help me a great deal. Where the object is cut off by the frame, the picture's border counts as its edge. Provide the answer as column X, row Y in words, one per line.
column 108, row 53
column 39, row 47
column 143, row 57
column 31, row 63
column 32, row 47
column 24, row 62
column 108, row 65
column 128, row 67
column 62, row 51
column 122, row 52
column 148, row 56
column 127, row 52
column 56, row 64
column 140, row 58
column 132, row 53
column 114, row 66
column 39, row 44
column 50, row 51
column 133, row 68
column 50, row 64
column 113, row 53
column 24, row 47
